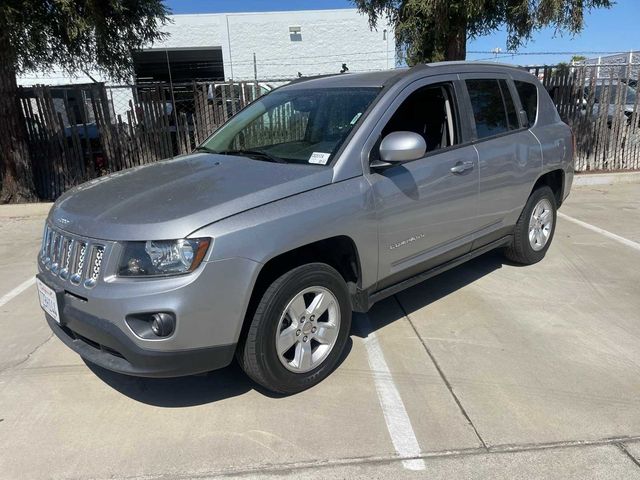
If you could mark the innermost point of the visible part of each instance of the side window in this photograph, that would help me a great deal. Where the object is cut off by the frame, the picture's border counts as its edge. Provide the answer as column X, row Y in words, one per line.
column 528, row 94
column 343, row 111
column 430, row 112
column 493, row 111
column 512, row 116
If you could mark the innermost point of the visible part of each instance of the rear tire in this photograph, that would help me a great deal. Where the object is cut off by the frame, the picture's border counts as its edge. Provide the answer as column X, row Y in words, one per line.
column 534, row 230
column 299, row 330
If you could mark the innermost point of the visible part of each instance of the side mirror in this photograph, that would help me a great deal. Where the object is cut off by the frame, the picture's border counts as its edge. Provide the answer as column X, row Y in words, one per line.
column 398, row 147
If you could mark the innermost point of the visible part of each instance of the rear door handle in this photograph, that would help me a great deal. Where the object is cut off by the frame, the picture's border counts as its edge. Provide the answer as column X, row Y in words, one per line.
column 462, row 167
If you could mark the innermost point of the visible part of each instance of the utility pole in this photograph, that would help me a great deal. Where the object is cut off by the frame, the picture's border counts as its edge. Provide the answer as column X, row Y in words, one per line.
column 385, row 36
column 255, row 68
column 255, row 77
column 229, row 45
column 173, row 98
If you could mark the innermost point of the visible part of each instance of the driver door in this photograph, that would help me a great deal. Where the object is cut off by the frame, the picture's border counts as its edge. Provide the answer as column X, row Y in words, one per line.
column 426, row 208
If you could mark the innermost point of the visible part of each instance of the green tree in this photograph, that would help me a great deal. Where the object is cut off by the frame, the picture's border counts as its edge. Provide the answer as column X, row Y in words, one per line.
column 435, row 30
column 578, row 58
column 75, row 35
column 562, row 69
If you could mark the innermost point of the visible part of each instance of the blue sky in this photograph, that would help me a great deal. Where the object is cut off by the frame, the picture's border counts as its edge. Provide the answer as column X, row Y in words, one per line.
column 606, row 30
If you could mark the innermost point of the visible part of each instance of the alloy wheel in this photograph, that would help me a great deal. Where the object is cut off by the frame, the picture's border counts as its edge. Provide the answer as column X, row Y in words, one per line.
column 308, row 329
column 540, row 224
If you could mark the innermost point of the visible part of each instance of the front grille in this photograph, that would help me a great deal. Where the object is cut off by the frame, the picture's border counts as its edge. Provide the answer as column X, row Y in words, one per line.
column 74, row 259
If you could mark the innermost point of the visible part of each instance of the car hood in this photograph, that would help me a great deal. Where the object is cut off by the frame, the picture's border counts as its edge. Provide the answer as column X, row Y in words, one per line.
column 173, row 198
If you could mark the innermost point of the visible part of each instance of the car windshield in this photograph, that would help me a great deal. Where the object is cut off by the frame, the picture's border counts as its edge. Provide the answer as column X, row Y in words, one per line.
column 613, row 93
column 293, row 125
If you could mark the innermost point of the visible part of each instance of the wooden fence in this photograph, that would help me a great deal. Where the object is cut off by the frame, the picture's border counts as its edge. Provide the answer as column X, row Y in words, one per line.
column 79, row 132
column 602, row 107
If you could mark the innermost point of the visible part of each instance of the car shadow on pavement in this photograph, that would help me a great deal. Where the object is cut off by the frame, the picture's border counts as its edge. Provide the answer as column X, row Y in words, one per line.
column 178, row 392
column 189, row 391
column 426, row 293
column 231, row 381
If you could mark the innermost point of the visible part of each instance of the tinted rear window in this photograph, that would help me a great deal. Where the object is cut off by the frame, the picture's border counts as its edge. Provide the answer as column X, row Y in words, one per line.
column 489, row 108
column 528, row 94
column 512, row 116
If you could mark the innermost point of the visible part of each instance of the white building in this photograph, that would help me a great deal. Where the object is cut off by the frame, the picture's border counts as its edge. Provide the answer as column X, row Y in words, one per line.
column 285, row 44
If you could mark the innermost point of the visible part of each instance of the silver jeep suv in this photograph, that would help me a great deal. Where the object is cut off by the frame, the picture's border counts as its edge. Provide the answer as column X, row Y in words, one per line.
column 318, row 199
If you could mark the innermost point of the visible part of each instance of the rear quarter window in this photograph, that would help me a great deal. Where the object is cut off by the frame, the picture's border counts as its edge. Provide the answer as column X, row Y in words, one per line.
column 528, row 94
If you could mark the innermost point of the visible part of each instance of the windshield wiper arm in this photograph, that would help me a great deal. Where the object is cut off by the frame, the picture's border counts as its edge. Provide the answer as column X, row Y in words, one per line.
column 202, row 148
column 256, row 153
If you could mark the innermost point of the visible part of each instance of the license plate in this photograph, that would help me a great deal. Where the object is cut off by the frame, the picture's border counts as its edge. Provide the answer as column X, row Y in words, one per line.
column 48, row 300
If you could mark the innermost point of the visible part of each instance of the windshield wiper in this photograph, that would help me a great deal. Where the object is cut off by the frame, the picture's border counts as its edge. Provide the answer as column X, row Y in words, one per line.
column 254, row 153
column 202, row 148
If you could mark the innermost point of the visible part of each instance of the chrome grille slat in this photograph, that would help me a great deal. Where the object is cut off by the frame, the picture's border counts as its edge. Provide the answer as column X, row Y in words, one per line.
column 98, row 251
column 65, row 260
column 68, row 253
column 71, row 258
column 79, row 262
column 55, row 252
column 45, row 241
column 95, row 265
column 48, row 246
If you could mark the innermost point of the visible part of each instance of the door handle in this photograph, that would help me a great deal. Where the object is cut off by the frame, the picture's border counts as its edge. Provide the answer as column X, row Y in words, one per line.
column 462, row 167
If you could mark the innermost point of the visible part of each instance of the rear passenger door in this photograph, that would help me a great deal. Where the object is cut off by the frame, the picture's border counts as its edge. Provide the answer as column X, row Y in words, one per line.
column 509, row 155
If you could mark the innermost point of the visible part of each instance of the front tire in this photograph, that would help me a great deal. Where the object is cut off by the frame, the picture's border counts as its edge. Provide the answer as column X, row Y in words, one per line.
column 534, row 230
column 299, row 329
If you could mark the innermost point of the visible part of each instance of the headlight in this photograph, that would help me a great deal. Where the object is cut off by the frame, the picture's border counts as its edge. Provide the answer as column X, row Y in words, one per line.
column 162, row 257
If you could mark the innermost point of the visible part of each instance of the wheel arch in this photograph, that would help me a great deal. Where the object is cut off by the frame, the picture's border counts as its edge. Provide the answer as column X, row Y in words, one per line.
column 555, row 180
column 339, row 252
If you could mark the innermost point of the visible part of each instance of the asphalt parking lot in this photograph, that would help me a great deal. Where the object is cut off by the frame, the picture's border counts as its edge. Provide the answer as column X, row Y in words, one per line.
column 487, row 371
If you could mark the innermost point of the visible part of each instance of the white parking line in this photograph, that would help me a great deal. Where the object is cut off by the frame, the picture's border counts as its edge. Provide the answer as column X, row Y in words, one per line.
column 395, row 415
column 606, row 233
column 17, row 291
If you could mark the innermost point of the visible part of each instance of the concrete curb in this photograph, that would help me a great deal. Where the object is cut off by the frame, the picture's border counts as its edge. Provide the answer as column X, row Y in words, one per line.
column 582, row 179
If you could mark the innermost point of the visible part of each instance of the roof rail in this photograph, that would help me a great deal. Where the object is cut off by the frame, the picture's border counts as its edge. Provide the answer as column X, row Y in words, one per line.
column 315, row 77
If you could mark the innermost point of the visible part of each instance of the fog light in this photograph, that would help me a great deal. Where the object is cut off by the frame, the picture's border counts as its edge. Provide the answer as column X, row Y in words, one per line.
column 162, row 324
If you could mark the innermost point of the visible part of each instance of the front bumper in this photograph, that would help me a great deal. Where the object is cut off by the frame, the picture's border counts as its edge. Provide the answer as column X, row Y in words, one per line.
column 209, row 306
column 99, row 342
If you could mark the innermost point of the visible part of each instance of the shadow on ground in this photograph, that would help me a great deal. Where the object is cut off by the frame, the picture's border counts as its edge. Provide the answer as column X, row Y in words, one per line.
column 189, row 391
column 428, row 292
column 232, row 381
column 178, row 392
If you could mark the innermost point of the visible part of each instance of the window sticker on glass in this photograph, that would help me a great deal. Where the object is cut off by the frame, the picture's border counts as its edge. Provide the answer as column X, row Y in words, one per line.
column 355, row 119
column 319, row 158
